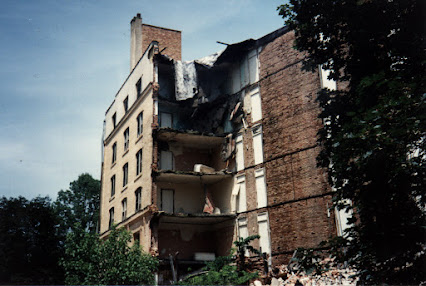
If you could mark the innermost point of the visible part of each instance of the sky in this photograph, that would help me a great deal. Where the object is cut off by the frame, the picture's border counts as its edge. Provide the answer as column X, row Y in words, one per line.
column 62, row 62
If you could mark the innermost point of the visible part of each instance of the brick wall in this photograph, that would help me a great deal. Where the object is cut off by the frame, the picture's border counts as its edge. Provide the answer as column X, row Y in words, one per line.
column 298, row 211
column 167, row 38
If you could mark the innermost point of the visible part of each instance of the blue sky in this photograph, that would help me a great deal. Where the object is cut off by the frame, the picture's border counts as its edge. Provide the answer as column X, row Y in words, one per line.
column 62, row 62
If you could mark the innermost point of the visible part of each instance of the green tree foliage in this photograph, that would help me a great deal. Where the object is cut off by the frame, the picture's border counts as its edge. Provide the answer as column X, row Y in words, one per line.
column 80, row 204
column 227, row 270
column 90, row 261
column 374, row 137
column 29, row 244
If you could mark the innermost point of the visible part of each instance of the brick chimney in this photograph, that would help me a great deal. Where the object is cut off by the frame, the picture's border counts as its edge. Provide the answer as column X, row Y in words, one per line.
column 142, row 35
column 135, row 40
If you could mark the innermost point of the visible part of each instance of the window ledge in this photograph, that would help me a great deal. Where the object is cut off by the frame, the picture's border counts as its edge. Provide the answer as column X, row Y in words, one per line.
column 112, row 198
column 125, row 188
column 113, row 164
column 125, row 152
column 139, row 138
column 138, row 177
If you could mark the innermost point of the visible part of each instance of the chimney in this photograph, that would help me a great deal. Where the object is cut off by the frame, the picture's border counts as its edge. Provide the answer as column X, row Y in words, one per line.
column 135, row 40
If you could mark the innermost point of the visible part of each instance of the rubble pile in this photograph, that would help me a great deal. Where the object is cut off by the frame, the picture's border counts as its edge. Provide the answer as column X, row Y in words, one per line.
column 332, row 277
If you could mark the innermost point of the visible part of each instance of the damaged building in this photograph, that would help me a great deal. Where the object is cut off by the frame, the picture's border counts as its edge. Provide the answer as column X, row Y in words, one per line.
column 199, row 153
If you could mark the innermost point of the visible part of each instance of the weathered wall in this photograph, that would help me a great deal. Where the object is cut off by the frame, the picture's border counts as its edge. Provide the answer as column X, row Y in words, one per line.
column 167, row 38
column 134, row 181
column 298, row 210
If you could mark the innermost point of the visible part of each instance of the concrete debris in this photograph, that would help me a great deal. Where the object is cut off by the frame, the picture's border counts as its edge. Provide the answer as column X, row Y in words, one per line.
column 200, row 168
column 275, row 282
column 185, row 80
column 331, row 277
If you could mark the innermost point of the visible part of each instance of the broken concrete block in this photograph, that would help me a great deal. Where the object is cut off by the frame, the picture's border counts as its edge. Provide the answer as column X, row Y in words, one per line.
column 275, row 282
column 200, row 168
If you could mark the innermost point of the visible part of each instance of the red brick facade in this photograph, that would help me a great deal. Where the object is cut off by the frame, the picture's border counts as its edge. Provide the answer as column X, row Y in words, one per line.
column 166, row 38
column 298, row 205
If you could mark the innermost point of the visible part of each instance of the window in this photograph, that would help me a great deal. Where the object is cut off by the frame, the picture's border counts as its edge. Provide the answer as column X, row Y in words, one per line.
column 124, row 209
column 257, row 144
column 125, row 174
column 240, row 153
column 241, row 197
column 138, row 197
column 264, row 241
column 166, row 120
column 111, row 217
column 114, row 152
column 256, row 105
column 167, row 201
column 140, row 123
column 242, row 230
column 112, row 185
column 253, row 66
column 166, row 160
column 126, row 139
column 126, row 104
column 261, row 188
column 114, row 120
column 137, row 237
column 139, row 162
column 139, row 87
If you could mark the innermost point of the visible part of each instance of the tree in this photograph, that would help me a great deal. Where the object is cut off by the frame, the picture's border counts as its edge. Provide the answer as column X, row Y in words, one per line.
column 29, row 242
column 90, row 261
column 373, row 140
column 80, row 204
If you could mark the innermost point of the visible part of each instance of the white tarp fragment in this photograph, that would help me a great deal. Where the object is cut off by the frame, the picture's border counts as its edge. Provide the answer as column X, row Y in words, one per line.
column 210, row 60
column 186, row 80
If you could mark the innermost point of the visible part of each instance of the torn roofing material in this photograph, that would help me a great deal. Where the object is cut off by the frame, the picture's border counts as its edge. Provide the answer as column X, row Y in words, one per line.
column 185, row 80
column 210, row 60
